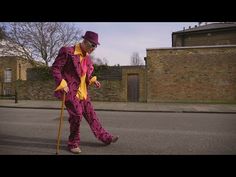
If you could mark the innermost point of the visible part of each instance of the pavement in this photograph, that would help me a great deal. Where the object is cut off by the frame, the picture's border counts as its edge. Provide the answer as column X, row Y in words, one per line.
column 128, row 106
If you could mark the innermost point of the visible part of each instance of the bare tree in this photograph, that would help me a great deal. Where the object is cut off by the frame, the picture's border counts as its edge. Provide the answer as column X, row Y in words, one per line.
column 99, row 61
column 39, row 40
column 2, row 32
column 135, row 59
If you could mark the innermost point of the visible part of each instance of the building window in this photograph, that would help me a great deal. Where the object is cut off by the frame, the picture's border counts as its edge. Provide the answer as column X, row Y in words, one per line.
column 7, row 91
column 8, row 75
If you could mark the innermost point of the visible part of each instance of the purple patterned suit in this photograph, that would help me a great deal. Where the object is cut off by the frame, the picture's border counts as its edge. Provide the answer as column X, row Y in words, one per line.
column 67, row 66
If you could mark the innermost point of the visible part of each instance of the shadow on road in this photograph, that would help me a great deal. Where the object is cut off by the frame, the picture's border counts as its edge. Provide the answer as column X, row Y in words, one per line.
column 36, row 142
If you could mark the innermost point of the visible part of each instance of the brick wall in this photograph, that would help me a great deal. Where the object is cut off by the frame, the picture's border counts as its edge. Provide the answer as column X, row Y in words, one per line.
column 18, row 66
column 116, row 90
column 36, row 90
column 204, row 38
column 8, row 62
column 187, row 74
column 203, row 74
column 22, row 67
column 113, row 88
column 141, row 71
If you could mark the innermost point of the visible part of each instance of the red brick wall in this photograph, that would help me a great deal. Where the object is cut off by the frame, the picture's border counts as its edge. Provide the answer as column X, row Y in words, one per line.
column 192, row 74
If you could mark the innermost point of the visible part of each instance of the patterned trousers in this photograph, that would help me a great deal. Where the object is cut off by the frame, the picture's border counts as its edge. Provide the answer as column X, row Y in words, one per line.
column 83, row 108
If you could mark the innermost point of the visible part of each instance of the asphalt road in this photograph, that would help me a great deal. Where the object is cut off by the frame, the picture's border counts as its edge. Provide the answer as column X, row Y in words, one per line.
column 34, row 132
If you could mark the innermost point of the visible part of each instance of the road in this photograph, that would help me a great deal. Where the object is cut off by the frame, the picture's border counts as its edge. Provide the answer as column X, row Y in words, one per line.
column 34, row 132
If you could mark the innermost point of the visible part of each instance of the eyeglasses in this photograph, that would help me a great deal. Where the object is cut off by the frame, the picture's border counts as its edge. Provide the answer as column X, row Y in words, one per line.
column 91, row 45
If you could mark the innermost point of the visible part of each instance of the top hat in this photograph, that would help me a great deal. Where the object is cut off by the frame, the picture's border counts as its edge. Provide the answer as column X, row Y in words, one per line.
column 92, row 37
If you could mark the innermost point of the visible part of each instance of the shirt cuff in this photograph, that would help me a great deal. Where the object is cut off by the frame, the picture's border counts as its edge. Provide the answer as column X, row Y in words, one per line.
column 92, row 80
column 62, row 85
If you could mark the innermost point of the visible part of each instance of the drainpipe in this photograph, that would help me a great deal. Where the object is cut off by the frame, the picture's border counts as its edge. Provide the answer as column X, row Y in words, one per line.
column 16, row 96
column 145, row 59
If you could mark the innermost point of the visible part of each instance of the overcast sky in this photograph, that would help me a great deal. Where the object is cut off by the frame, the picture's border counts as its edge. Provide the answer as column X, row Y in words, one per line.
column 120, row 39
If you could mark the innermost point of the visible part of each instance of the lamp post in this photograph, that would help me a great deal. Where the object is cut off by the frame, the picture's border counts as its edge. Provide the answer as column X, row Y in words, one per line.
column 16, row 84
column 16, row 91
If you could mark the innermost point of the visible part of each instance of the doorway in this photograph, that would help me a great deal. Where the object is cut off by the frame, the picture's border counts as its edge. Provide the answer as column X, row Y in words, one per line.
column 133, row 88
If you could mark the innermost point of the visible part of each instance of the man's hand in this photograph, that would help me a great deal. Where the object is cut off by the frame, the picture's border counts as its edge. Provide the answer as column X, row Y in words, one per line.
column 97, row 84
column 66, row 89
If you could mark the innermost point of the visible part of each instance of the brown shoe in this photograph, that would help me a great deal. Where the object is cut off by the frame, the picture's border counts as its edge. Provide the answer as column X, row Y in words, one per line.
column 75, row 150
column 114, row 139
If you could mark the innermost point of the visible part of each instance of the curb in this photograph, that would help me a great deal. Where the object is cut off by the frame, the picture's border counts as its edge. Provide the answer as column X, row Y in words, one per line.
column 117, row 110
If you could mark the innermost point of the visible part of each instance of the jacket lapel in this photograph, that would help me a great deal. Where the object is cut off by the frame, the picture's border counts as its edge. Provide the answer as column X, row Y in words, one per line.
column 76, row 62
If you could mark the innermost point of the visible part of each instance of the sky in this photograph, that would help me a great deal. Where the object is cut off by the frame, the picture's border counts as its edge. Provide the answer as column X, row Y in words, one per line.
column 120, row 39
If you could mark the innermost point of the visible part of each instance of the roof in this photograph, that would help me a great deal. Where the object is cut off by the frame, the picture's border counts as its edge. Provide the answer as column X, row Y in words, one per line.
column 223, row 25
column 191, row 47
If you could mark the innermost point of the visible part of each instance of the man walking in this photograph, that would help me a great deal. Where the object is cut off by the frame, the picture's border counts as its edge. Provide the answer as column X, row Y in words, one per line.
column 72, row 71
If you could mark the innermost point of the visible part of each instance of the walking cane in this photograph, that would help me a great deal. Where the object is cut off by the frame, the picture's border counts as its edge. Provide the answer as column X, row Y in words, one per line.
column 60, row 124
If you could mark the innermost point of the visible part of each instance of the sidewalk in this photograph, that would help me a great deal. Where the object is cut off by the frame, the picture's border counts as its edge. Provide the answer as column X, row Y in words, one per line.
column 128, row 106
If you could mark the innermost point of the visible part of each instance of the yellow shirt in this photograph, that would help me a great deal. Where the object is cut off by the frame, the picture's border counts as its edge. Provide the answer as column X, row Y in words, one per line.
column 82, row 90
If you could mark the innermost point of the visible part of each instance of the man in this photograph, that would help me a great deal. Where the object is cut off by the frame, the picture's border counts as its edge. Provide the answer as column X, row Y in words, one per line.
column 72, row 71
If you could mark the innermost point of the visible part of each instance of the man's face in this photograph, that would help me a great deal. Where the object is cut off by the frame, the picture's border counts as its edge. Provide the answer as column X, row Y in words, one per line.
column 89, row 46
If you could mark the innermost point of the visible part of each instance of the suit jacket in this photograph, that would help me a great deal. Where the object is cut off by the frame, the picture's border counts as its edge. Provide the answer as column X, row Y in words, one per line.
column 67, row 66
